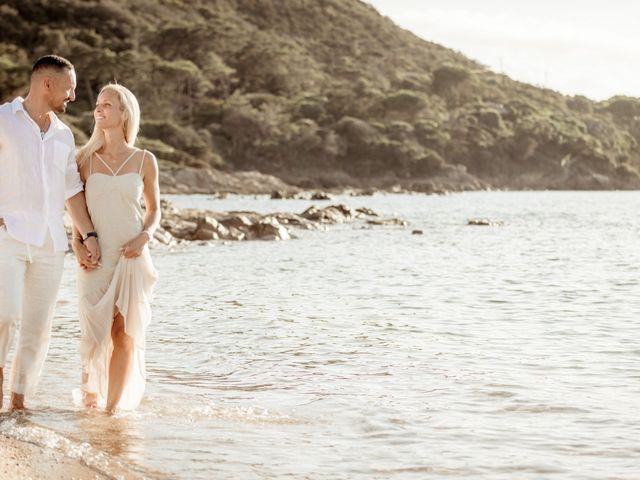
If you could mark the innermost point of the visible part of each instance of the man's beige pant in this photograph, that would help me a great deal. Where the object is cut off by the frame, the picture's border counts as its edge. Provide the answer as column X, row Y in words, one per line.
column 29, row 281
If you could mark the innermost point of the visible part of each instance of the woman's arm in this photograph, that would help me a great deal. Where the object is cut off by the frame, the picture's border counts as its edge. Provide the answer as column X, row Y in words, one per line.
column 151, row 193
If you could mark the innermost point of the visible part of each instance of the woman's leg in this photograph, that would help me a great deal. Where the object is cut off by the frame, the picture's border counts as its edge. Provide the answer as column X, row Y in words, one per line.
column 121, row 361
column 89, row 399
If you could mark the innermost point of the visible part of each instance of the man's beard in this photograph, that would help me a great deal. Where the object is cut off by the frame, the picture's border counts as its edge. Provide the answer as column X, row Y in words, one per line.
column 61, row 108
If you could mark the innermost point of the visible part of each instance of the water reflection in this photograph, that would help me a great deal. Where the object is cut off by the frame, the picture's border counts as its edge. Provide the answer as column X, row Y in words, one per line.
column 116, row 435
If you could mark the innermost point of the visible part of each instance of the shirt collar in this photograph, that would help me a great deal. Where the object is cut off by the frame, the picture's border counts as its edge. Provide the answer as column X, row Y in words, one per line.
column 18, row 105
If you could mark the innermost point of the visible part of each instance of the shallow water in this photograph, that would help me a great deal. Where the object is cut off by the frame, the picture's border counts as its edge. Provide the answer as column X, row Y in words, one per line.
column 362, row 353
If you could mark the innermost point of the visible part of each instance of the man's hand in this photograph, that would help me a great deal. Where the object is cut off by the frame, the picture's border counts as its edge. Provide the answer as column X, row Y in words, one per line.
column 133, row 248
column 82, row 255
column 91, row 244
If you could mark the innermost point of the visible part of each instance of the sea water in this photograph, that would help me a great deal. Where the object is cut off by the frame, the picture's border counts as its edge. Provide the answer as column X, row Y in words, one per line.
column 366, row 352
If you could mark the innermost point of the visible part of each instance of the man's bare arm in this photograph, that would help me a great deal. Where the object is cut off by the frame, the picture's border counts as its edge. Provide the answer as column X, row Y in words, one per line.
column 77, row 207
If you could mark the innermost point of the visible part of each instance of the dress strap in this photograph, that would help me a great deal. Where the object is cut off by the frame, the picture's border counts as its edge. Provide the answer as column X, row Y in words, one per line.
column 125, row 162
column 104, row 163
column 144, row 153
column 115, row 174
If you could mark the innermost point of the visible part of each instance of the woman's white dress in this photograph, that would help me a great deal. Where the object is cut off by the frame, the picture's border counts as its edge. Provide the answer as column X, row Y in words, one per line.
column 121, row 285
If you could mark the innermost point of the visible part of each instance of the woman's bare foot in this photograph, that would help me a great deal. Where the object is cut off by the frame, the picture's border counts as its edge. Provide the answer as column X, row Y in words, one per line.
column 90, row 400
column 17, row 401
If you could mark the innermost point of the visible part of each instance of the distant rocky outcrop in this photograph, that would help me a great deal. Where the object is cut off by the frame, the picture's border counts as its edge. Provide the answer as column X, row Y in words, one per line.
column 323, row 94
column 179, row 225
column 210, row 180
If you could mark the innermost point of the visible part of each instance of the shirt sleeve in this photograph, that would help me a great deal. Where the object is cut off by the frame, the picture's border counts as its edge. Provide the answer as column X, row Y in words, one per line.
column 73, row 183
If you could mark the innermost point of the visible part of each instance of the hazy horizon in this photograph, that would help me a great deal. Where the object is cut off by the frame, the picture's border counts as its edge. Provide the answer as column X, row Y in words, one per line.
column 574, row 47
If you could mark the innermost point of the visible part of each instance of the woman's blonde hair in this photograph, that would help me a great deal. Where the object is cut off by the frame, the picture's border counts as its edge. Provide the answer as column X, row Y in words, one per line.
column 128, row 104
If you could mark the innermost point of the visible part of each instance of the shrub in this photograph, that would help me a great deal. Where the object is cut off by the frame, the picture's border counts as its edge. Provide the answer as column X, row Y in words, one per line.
column 448, row 77
column 405, row 101
column 398, row 130
column 623, row 107
column 580, row 104
column 170, row 133
column 14, row 71
column 431, row 163
column 355, row 131
column 413, row 81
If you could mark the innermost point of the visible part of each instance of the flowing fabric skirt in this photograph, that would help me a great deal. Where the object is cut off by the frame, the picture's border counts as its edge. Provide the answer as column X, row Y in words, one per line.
column 125, row 287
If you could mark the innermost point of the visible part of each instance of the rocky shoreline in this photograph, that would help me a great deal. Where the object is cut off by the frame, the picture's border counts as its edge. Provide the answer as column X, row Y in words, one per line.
column 211, row 181
column 187, row 225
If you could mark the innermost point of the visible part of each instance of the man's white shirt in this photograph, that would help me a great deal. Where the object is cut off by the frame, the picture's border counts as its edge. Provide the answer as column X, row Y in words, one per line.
column 37, row 174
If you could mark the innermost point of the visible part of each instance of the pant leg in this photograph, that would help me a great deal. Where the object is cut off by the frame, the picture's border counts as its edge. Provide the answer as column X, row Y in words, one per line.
column 42, row 280
column 13, row 263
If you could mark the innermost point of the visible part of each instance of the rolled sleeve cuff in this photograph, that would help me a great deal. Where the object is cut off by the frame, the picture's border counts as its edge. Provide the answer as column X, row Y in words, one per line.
column 70, row 192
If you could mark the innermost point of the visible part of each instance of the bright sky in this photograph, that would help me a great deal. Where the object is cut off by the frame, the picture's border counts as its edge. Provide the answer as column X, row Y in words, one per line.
column 585, row 47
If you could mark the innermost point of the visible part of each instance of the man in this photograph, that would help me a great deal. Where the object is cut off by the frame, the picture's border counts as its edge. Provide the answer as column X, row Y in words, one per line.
column 38, row 176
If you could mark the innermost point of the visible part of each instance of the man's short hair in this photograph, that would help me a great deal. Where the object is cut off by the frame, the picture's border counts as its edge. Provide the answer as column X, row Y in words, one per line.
column 51, row 61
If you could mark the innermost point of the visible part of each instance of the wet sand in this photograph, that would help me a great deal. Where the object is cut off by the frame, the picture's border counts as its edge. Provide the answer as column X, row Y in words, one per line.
column 21, row 460
column 27, row 461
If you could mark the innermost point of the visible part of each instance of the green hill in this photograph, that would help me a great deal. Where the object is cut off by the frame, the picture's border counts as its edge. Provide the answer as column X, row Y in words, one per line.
column 320, row 93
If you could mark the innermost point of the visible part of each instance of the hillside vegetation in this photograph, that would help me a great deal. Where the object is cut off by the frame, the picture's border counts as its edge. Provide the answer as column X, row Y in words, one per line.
column 321, row 93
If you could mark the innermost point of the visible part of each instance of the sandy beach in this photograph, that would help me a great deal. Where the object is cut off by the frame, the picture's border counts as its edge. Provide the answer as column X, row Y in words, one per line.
column 27, row 461
column 21, row 460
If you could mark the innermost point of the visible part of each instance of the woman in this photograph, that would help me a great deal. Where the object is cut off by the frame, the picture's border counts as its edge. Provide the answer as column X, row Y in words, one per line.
column 115, row 297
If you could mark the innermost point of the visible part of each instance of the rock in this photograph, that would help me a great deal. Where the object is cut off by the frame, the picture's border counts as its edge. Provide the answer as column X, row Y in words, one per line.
column 235, row 234
column 162, row 236
column 484, row 222
column 398, row 189
column 342, row 209
column 184, row 230
column 295, row 220
column 281, row 194
column 417, row 232
column 219, row 195
column 210, row 229
column 389, row 221
column 367, row 211
column 313, row 213
column 206, row 235
column 367, row 192
column 208, row 224
column 320, row 196
column 332, row 214
column 167, row 207
column 240, row 222
column 269, row 229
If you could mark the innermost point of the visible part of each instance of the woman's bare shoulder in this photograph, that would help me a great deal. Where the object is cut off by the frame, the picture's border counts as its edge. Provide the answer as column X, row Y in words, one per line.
column 149, row 167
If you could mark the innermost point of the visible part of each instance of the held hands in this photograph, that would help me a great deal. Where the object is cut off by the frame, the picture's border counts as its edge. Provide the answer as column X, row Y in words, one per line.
column 85, row 259
column 91, row 244
column 88, row 253
column 133, row 248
